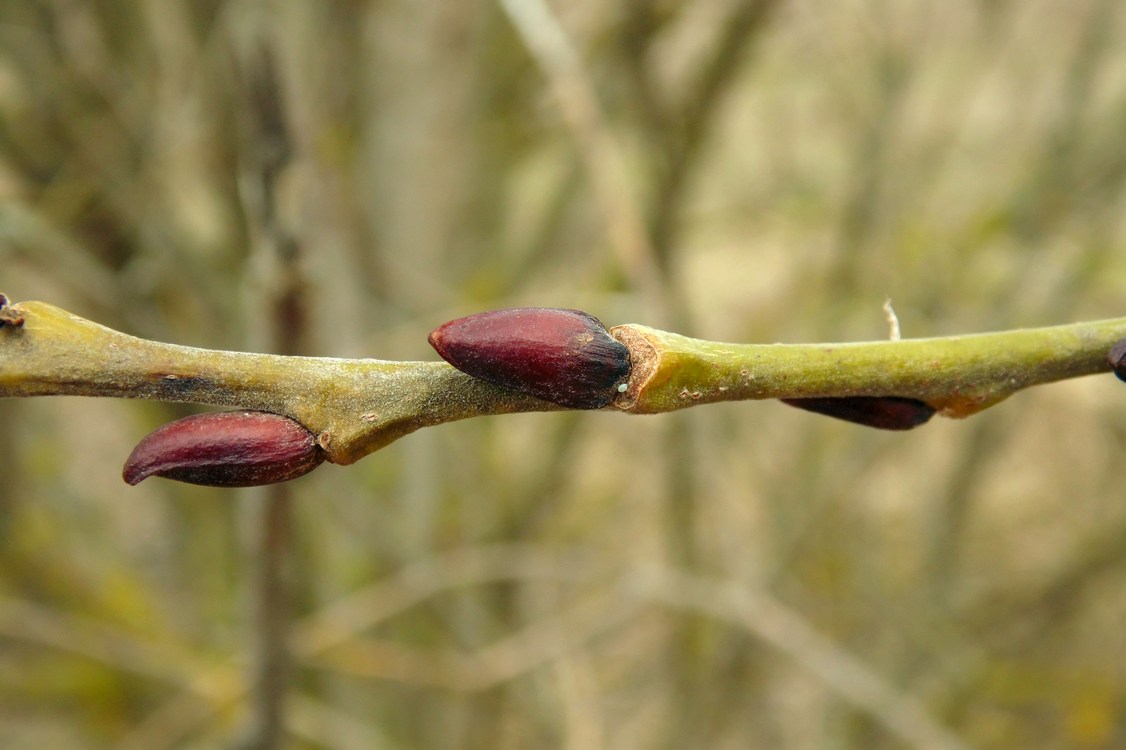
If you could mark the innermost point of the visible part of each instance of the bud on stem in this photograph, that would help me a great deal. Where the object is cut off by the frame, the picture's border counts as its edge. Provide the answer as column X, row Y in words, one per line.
column 881, row 412
column 1117, row 359
column 226, row 449
column 563, row 356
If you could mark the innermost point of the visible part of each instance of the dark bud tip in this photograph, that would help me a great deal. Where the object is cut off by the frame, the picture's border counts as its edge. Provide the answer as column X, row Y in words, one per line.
column 226, row 449
column 881, row 412
column 9, row 316
column 563, row 356
column 1117, row 359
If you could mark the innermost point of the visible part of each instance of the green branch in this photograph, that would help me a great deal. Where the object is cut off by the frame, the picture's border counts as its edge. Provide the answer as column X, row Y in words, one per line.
column 956, row 375
column 353, row 406
column 356, row 406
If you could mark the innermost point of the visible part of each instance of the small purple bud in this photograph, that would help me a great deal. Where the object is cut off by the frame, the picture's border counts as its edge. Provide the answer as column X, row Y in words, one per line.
column 226, row 449
column 563, row 356
column 1117, row 359
column 881, row 412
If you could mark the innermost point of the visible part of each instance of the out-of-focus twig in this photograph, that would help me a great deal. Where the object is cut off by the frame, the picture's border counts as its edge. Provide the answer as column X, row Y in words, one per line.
column 756, row 612
column 696, row 117
column 269, row 151
column 578, row 102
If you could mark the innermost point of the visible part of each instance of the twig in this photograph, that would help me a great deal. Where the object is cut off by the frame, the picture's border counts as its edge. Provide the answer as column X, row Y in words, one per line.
column 695, row 118
column 893, row 321
column 273, row 599
column 355, row 406
column 358, row 406
column 756, row 612
column 601, row 155
column 786, row 630
column 269, row 152
column 956, row 375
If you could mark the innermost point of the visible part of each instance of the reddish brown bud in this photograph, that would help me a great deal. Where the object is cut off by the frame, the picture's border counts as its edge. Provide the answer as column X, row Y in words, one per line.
column 226, row 449
column 1117, row 359
column 882, row 412
column 563, row 356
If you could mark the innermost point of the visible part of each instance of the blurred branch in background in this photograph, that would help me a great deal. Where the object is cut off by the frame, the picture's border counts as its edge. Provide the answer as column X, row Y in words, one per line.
column 602, row 157
column 332, row 640
column 277, row 277
column 674, row 126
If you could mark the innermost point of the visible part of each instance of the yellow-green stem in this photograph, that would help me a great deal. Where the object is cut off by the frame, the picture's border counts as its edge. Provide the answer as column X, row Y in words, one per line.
column 957, row 375
column 357, row 406
column 354, row 406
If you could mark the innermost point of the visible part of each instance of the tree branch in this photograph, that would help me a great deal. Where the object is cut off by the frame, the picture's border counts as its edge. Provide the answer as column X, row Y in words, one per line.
column 356, row 406
column 956, row 375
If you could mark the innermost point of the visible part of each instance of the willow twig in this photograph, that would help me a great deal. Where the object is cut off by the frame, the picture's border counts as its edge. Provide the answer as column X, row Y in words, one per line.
column 356, row 406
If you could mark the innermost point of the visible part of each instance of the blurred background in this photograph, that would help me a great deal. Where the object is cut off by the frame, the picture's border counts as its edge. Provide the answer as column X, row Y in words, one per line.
column 338, row 178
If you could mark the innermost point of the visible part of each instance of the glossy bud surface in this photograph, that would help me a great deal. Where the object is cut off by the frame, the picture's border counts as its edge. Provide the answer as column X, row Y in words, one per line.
column 563, row 356
column 226, row 449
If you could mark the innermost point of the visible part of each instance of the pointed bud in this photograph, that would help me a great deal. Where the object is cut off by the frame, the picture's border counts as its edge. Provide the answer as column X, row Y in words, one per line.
column 1117, row 359
column 881, row 412
column 226, row 449
column 563, row 356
